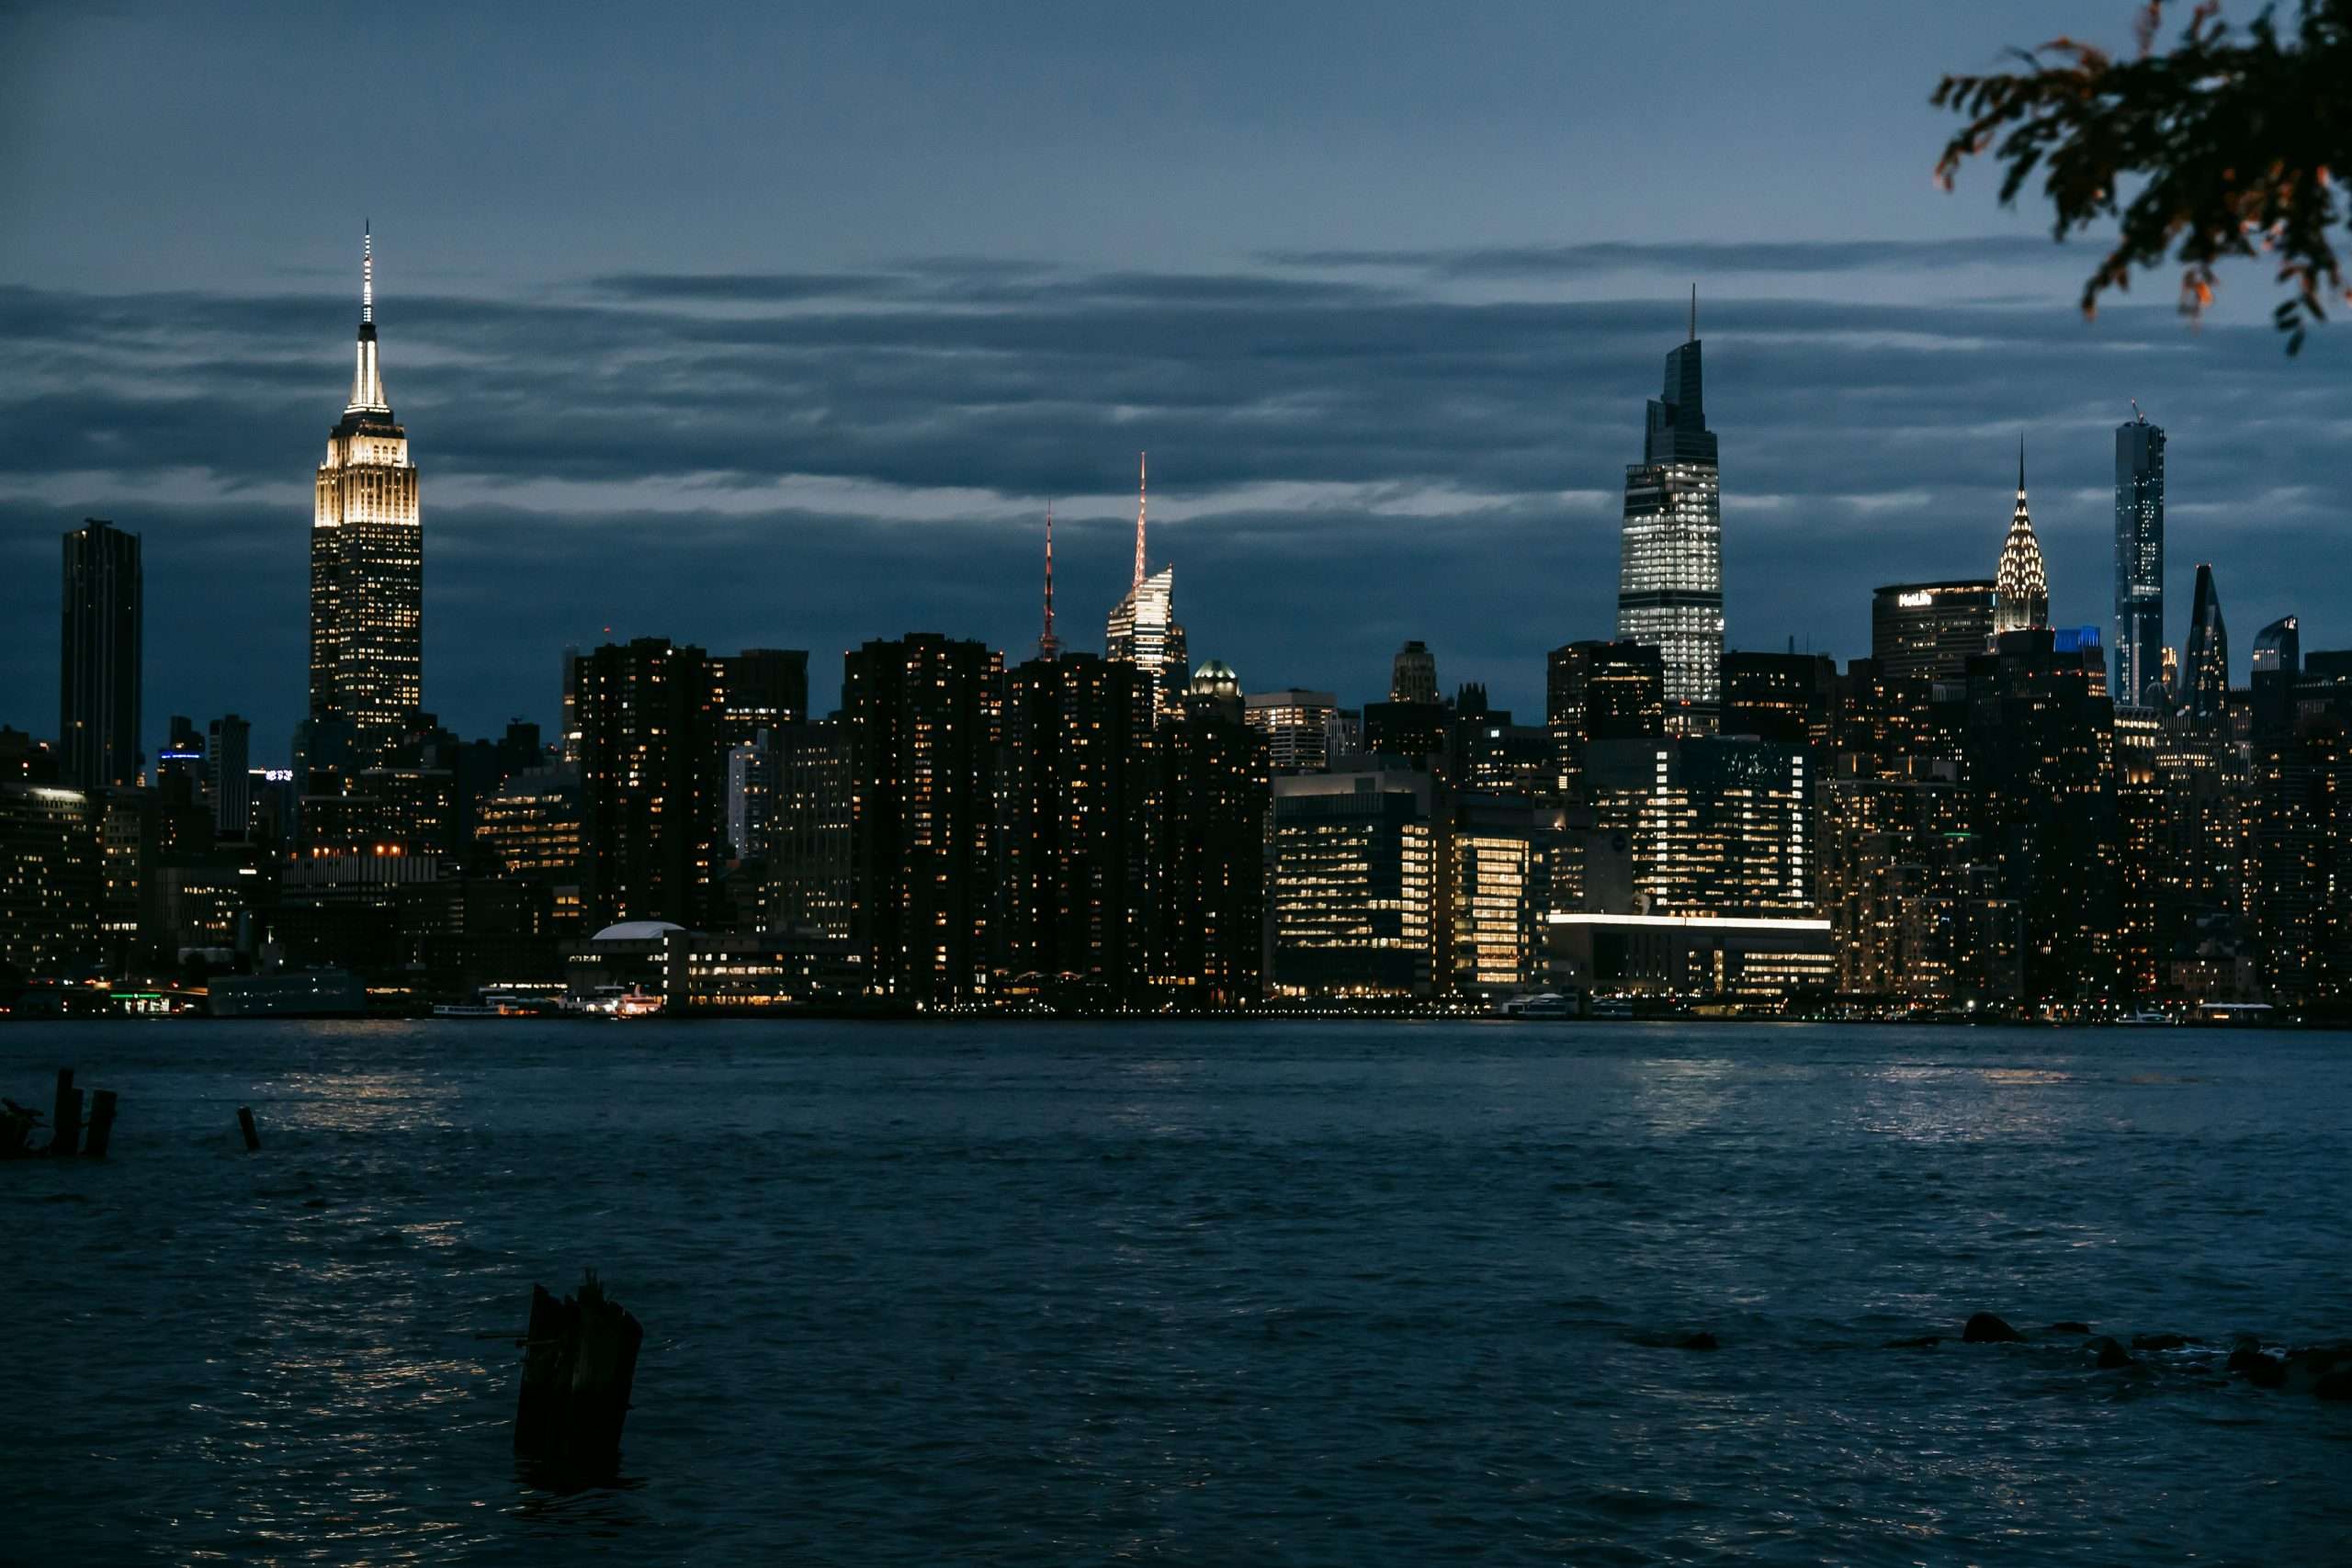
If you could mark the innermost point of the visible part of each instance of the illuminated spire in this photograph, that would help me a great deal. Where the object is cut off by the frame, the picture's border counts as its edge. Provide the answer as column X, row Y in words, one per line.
column 1142, row 474
column 367, row 375
column 1048, row 645
column 2020, row 587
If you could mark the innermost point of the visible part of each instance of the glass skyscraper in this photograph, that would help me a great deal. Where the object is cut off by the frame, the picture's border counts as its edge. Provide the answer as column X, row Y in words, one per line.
column 1670, row 576
column 2138, row 559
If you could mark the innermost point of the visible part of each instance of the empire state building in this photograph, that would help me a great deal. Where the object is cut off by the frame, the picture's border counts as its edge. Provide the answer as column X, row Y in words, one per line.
column 367, row 558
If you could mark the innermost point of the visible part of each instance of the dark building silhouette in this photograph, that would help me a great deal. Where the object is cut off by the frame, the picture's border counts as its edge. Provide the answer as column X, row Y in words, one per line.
column 2277, row 665
column 228, row 772
column 1930, row 630
column 650, row 757
column 1213, row 791
column 98, row 661
column 1076, row 853
column 761, row 688
column 924, row 717
column 1781, row 697
column 2039, row 754
column 51, row 880
column 2205, row 667
column 809, row 893
column 2139, row 559
column 1600, row 690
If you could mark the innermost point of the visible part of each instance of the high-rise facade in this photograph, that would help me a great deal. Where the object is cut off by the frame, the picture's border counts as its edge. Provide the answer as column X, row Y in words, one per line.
column 1300, row 728
column 1930, row 630
column 649, row 761
column 1074, row 860
column 98, row 663
column 2139, row 557
column 925, row 718
column 2020, row 587
column 366, row 560
column 2205, row 670
column 1600, row 690
column 1142, row 628
column 1670, row 572
column 1354, row 870
column 228, row 774
column 1208, row 874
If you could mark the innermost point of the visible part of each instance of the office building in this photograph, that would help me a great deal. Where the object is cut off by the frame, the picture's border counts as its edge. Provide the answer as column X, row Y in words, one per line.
column 809, row 834
column 1208, row 876
column 2040, row 767
column 1930, row 630
column 367, row 560
column 924, row 717
column 1300, row 728
column 2139, row 559
column 1670, row 572
column 1783, row 697
column 1721, row 825
column 228, row 775
column 1412, row 674
column 2205, row 668
column 52, row 880
column 1354, row 867
column 649, row 761
column 98, row 661
column 1600, row 690
column 1075, row 856
column 1142, row 629
column 533, row 829
column 760, row 688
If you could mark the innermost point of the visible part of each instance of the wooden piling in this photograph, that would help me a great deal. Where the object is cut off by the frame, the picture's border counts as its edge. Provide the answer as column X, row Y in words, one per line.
column 579, row 1367
column 101, row 1123
column 65, row 1120
column 245, row 1121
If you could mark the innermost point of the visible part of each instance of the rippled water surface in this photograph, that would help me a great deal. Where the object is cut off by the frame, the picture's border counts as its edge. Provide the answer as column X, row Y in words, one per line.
column 1249, row 1294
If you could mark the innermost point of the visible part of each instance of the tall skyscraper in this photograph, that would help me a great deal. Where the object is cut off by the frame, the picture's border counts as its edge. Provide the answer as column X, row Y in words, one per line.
column 228, row 777
column 2205, row 671
column 1300, row 728
column 1412, row 674
column 1670, row 576
column 1930, row 630
column 651, row 783
column 1600, row 690
column 1143, row 629
column 98, row 700
column 2139, row 557
column 924, row 717
column 2021, row 589
column 1208, row 849
column 367, row 559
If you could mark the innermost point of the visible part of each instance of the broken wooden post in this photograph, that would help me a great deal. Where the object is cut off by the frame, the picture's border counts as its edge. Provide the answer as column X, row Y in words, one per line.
column 65, row 1121
column 101, row 1123
column 579, row 1364
column 245, row 1121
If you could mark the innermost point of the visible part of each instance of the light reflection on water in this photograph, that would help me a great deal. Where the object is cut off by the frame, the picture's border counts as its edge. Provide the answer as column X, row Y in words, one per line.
column 1312, row 1292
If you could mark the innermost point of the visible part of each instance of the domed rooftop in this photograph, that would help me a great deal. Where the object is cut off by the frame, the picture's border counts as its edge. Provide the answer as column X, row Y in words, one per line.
column 1216, row 678
column 637, row 930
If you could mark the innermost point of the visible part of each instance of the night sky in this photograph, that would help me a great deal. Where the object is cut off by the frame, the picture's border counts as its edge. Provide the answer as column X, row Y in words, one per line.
column 782, row 327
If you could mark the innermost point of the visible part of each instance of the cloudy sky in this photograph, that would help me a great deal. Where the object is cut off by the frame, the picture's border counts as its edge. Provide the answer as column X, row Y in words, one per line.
column 759, row 326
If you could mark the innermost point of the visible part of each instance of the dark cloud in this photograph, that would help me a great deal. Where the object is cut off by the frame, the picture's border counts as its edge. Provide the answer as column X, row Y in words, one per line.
column 778, row 459
column 1685, row 257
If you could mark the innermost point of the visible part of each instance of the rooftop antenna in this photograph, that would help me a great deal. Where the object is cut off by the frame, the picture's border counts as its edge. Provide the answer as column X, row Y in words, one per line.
column 1694, row 312
column 2020, row 463
column 1048, row 645
column 1142, row 474
column 367, row 270
column 2137, row 413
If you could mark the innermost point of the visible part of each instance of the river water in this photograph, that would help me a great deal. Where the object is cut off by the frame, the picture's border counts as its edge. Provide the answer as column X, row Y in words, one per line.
column 1313, row 1294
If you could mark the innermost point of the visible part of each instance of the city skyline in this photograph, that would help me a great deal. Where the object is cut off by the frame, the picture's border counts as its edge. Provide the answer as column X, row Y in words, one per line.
column 750, row 407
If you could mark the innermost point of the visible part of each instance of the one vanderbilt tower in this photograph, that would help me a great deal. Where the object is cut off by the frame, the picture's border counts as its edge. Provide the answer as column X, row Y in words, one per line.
column 1670, row 576
column 366, row 560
